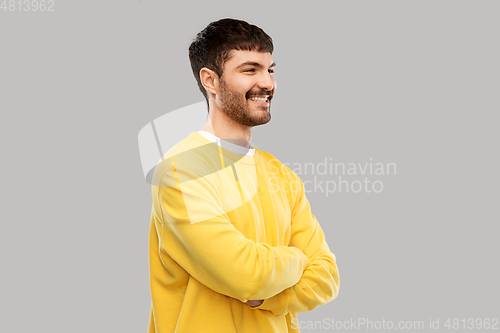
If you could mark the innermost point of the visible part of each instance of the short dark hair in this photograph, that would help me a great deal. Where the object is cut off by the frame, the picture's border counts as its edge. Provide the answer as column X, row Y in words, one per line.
column 212, row 46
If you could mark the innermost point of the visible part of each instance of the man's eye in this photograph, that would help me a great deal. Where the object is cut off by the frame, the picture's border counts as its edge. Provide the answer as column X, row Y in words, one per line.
column 271, row 71
column 250, row 70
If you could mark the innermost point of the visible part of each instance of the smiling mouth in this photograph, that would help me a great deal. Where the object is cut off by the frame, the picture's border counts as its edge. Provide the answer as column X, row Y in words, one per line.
column 262, row 99
column 259, row 99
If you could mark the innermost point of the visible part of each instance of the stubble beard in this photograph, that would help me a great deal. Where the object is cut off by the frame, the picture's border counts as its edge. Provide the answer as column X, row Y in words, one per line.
column 237, row 109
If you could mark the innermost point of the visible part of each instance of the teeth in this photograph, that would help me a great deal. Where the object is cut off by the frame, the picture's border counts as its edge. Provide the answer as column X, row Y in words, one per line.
column 259, row 99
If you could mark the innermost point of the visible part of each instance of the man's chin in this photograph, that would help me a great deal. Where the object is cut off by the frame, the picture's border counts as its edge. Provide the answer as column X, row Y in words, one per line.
column 262, row 120
column 251, row 116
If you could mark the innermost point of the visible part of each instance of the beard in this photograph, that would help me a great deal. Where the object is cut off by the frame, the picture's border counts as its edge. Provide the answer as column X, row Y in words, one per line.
column 237, row 107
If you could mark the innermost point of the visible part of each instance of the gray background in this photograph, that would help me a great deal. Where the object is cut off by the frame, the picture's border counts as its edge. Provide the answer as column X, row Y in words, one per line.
column 409, row 82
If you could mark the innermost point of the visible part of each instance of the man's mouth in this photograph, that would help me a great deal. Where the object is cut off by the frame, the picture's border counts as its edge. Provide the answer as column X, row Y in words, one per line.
column 261, row 99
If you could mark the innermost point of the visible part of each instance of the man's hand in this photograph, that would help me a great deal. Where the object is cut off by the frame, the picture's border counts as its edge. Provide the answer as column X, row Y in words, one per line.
column 254, row 303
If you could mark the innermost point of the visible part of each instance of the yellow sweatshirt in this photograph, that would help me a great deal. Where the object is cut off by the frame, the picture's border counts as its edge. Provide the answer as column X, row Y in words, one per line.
column 225, row 229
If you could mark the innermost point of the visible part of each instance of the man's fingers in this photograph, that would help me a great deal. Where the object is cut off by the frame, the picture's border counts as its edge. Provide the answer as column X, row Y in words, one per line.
column 254, row 303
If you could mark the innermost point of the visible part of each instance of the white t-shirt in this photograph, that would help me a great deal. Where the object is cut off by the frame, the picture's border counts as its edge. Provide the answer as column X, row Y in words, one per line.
column 228, row 145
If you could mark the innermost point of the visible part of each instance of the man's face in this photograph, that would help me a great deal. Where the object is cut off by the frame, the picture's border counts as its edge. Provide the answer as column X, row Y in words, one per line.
column 247, row 86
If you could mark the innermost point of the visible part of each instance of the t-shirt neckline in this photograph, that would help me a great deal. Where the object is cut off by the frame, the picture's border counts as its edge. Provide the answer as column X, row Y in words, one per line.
column 246, row 159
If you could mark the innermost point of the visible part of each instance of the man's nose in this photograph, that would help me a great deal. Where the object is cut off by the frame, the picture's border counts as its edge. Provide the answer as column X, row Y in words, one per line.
column 267, row 82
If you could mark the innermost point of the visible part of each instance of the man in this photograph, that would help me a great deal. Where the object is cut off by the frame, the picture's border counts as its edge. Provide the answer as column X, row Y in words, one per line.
column 234, row 246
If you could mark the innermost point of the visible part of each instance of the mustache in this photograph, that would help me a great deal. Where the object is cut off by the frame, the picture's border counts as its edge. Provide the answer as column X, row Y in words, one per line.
column 261, row 93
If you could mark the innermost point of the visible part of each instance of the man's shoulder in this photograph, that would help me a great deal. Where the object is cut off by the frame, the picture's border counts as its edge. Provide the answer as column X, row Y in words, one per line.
column 190, row 154
column 290, row 182
column 277, row 166
column 269, row 158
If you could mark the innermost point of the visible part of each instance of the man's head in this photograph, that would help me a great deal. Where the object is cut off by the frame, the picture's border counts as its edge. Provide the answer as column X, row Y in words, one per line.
column 231, row 61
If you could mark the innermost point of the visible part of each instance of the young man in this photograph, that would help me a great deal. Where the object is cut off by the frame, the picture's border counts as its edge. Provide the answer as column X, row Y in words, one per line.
column 234, row 247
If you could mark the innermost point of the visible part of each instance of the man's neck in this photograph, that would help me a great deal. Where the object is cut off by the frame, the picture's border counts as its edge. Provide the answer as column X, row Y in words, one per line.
column 225, row 128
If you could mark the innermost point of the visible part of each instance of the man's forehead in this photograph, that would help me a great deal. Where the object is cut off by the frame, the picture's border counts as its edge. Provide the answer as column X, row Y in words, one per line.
column 240, row 57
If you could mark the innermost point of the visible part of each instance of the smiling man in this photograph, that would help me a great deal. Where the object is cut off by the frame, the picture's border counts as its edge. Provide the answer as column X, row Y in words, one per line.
column 234, row 247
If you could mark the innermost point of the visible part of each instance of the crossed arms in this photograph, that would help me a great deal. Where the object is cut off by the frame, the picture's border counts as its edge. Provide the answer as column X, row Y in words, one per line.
column 296, row 278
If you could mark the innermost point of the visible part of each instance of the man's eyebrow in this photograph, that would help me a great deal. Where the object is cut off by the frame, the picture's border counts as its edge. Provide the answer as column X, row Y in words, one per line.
column 253, row 63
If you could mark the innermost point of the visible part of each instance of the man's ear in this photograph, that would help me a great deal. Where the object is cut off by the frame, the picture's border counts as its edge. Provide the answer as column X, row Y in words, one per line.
column 209, row 80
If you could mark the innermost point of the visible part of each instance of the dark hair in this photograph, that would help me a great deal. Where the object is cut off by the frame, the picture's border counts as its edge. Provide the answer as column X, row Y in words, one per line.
column 212, row 46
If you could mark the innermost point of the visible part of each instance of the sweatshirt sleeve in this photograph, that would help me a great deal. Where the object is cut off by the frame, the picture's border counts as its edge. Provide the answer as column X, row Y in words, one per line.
column 197, row 233
column 320, row 282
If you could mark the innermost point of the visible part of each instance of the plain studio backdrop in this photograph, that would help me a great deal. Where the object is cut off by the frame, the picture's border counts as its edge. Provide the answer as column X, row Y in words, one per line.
column 368, row 84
